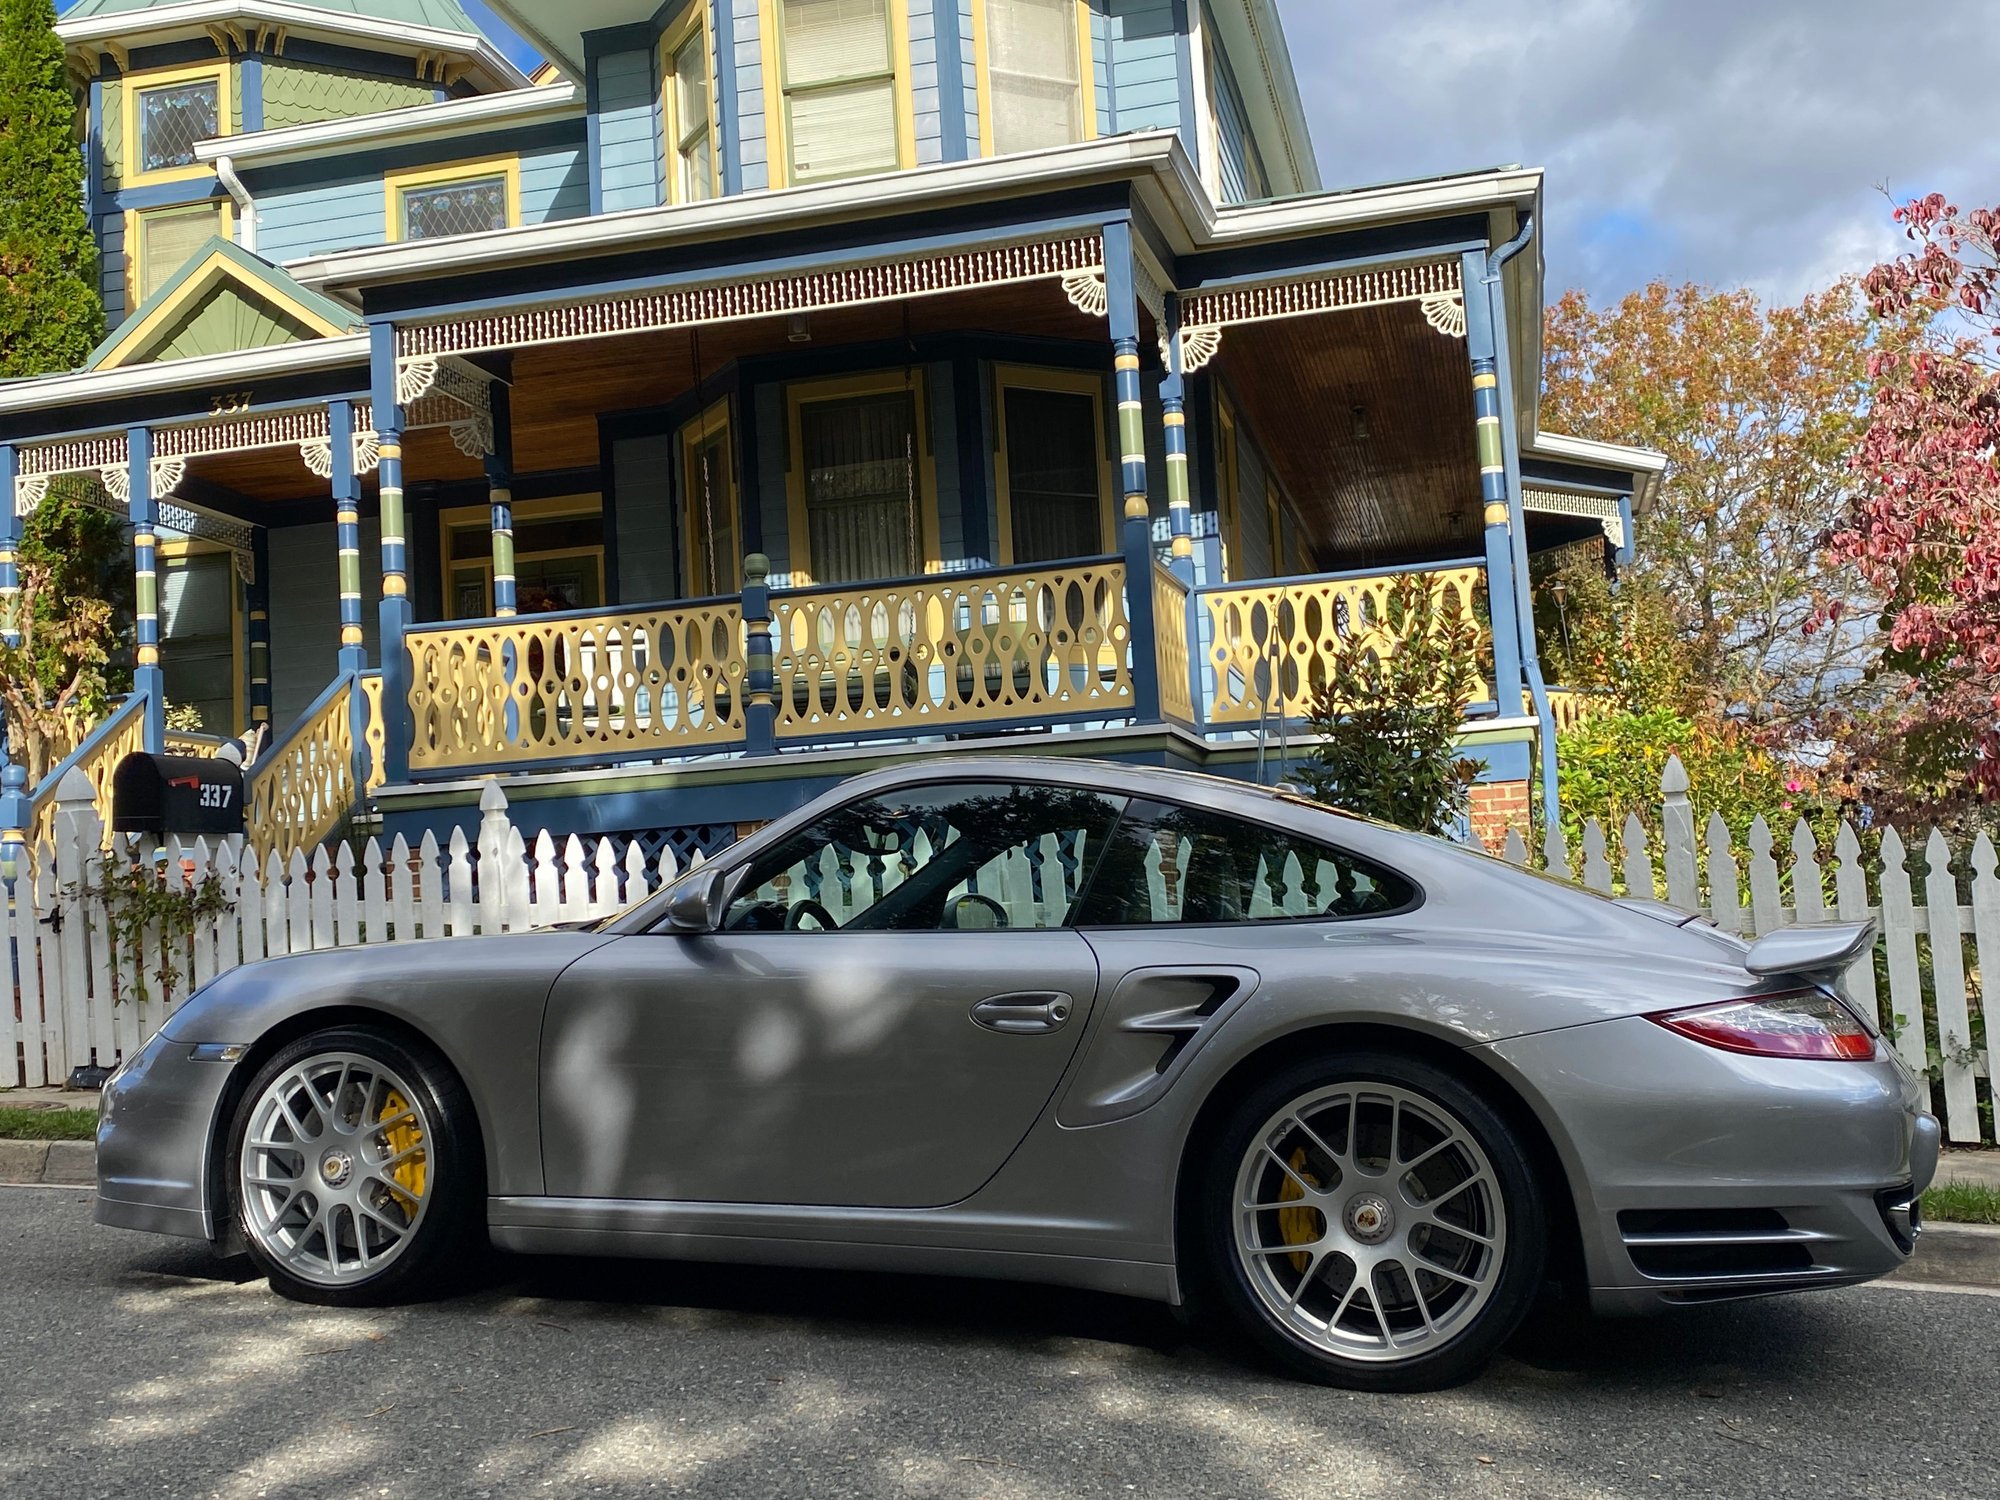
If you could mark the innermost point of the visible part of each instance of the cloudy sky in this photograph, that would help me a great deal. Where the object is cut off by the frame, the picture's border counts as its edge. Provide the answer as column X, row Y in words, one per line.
column 1732, row 142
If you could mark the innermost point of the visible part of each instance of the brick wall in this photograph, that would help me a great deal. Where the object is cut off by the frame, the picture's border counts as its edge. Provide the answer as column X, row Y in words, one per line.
column 1496, row 806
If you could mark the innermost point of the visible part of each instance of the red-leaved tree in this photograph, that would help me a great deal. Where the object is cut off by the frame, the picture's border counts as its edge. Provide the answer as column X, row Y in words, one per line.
column 1925, row 526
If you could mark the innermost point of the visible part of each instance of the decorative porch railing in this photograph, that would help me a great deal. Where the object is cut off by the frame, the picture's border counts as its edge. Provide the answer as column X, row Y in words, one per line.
column 1170, row 630
column 310, row 781
column 596, row 685
column 121, row 733
column 1568, row 708
column 1270, row 645
column 954, row 649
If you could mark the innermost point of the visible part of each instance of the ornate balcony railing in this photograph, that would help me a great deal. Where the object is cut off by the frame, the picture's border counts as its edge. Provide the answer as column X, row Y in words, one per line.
column 97, row 756
column 954, row 649
column 577, row 686
column 312, row 780
column 1270, row 646
column 1170, row 628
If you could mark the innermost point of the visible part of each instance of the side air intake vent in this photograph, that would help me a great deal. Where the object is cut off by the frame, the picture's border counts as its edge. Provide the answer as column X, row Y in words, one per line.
column 1711, row 1245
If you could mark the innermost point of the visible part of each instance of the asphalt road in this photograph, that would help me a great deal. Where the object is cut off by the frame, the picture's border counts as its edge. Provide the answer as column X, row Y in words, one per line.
column 132, row 1366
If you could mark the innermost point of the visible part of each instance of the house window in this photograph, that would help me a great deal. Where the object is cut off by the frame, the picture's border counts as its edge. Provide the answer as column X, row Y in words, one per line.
column 465, row 199
column 1054, row 489
column 200, row 624
column 709, row 547
column 558, row 558
column 690, row 129
column 169, row 113
column 163, row 240
column 860, row 484
column 838, row 76
column 1032, row 55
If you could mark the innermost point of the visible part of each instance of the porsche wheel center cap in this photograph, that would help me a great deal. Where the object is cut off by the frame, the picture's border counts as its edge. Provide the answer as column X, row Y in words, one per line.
column 1369, row 1219
column 336, row 1167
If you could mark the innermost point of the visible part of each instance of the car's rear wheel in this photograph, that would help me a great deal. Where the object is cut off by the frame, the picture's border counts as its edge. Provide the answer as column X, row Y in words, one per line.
column 354, row 1168
column 1371, row 1221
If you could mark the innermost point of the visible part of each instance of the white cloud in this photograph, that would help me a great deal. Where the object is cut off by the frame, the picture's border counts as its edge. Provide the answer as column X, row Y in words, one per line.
column 1734, row 142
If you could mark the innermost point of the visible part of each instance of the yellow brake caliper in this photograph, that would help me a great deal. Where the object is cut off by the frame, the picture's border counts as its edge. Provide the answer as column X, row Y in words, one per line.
column 409, row 1172
column 1298, row 1226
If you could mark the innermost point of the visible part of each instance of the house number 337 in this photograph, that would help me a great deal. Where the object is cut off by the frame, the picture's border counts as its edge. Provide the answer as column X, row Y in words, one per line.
column 228, row 403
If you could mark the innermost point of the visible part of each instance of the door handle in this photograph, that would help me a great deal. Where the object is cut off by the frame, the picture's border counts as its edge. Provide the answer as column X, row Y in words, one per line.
column 1023, row 1014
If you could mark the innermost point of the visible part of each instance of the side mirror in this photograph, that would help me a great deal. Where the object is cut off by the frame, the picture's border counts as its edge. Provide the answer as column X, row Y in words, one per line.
column 695, row 906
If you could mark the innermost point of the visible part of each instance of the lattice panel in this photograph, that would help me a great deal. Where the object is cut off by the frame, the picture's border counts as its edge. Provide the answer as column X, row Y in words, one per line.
column 534, row 688
column 1273, row 645
column 945, row 650
column 888, row 281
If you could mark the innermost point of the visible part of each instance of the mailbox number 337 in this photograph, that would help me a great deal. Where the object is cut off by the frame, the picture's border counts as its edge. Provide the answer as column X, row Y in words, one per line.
column 217, row 794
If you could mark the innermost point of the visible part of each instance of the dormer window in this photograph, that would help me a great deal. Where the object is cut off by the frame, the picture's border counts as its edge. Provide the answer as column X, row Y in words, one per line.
column 837, row 72
column 467, row 198
column 1032, row 57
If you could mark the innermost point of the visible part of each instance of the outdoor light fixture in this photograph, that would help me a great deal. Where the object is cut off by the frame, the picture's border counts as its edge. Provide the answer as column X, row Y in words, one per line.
column 799, row 328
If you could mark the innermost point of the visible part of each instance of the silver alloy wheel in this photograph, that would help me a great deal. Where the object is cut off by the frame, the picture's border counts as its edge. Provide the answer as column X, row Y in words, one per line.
column 336, row 1168
column 1368, row 1221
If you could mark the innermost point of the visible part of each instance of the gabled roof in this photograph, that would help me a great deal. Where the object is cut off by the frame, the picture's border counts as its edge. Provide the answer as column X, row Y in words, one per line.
column 444, row 15
column 223, row 301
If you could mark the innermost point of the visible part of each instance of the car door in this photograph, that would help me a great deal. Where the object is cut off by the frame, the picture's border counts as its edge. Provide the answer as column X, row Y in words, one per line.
column 888, row 1006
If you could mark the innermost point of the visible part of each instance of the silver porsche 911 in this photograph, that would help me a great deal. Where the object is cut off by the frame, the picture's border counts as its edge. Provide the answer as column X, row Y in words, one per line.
column 1362, row 1094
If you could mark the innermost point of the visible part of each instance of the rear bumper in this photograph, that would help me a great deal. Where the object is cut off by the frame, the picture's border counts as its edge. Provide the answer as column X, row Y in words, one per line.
column 155, row 1126
column 1702, row 1176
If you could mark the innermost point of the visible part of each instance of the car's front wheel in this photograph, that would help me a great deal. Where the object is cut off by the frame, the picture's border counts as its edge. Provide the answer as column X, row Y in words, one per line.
column 1371, row 1221
column 354, row 1170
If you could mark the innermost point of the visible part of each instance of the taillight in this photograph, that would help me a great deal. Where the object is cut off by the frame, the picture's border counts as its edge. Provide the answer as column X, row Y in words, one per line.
column 1807, row 1024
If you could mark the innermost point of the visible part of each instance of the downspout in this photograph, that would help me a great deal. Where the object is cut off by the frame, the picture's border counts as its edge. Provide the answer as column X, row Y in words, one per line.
column 1524, row 609
column 246, row 206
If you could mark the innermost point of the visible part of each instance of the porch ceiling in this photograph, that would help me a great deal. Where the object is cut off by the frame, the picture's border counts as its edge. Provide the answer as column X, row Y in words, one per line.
column 1400, row 480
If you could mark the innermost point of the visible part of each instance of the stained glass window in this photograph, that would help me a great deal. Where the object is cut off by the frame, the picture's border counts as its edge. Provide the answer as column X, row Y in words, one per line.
column 463, row 207
column 173, row 117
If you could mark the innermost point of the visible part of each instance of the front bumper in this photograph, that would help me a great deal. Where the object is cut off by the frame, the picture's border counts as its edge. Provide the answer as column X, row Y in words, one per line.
column 1700, row 1175
column 155, row 1128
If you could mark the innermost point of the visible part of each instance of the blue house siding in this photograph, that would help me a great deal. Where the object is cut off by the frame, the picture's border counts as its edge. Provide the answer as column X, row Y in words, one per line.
column 1145, row 66
column 555, row 184
column 111, row 267
column 925, row 95
column 628, row 130
column 750, row 94
column 968, row 73
column 323, row 216
column 1100, row 64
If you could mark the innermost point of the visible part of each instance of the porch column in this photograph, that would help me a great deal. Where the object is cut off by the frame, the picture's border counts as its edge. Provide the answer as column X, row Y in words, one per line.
column 13, row 775
column 388, row 417
column 1498, row 529
column 1173, row 408
column 1137, row 534
column 347, row 531
column 500, row 495
column 145, row 514
column 259, row 611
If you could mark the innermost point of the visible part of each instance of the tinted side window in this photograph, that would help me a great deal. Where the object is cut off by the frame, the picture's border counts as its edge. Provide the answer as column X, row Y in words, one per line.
column 1176, row 864
column 979, row 855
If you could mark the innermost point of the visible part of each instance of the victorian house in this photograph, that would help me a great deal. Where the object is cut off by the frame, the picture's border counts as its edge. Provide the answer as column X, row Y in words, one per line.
column 763, row 389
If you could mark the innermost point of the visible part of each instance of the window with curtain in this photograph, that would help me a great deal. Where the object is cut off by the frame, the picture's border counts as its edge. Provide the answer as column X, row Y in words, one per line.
column 709, row 492
column 173, row 117
column 1054, row 497
column 693, row 166
column 1034, row 74
column 198, row 625
column 840, row 87
column 168, row 237
column 860, row 458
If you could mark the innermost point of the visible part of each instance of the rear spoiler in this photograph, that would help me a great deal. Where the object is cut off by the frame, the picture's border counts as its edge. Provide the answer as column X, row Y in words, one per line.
column 1816, row 948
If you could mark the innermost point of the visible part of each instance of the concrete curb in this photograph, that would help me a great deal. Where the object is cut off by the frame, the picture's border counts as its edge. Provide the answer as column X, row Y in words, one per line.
column 1955, row 1255
column 65, row 1163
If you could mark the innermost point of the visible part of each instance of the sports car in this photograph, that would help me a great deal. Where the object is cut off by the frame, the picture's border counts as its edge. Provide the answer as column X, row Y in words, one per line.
column 1362, row 1095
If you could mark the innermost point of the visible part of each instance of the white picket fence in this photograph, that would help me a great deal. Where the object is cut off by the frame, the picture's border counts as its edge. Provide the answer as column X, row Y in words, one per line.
column 75, row 1006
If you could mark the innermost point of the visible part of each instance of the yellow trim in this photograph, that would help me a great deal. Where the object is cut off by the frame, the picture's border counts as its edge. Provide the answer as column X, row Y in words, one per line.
column 670, row 131
column 777, row 138
column 239, row 635
column 804, row 392
column 1086, row 65
column 549, row 508
column 135, row 84
column 729, row 569
column 395, row 185
column 1074, row 382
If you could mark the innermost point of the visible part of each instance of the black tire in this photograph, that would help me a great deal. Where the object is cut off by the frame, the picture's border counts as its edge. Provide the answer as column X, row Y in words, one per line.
column 1220, row 1283
column 451, row 1230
